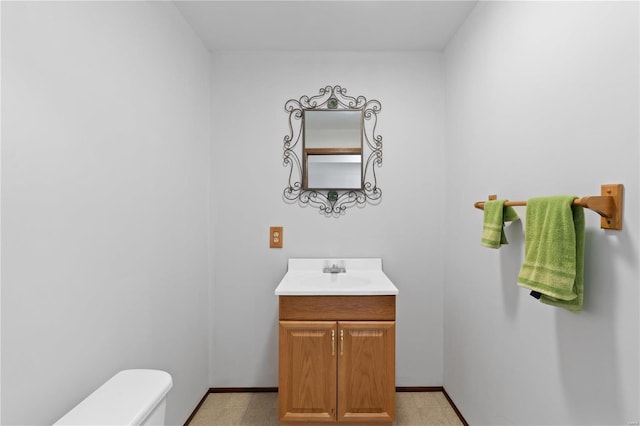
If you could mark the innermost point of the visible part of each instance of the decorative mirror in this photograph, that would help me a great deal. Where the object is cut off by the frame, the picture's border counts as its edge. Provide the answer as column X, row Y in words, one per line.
column 332, row 150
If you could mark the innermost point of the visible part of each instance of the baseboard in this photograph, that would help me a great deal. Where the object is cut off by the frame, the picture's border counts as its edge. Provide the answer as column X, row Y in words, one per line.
column 446, row 395
column 240, row 390
column 434, row 389
column 226, row 390
column 419, row 389
column 275, row 389
column 195, row 410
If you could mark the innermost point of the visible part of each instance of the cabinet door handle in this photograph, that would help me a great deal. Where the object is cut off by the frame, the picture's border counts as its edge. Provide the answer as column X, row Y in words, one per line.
column 333, row 343
column 341, row 342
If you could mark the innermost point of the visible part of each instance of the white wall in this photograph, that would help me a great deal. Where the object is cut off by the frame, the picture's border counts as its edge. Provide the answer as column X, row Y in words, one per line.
column 248, row 178
column 542, row 99
column 104, row 196
column 0, row 224
column 105, row 186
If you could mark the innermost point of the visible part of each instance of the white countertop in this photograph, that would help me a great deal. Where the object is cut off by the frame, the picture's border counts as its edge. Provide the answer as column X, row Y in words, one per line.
column 363, row 277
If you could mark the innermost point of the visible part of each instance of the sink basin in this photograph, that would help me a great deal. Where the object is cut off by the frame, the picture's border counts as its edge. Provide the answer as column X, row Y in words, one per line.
column 304, row 277
column 335, row 280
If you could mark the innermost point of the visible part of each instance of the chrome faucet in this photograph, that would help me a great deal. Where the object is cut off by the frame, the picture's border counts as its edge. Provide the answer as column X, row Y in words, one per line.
column 334, row 269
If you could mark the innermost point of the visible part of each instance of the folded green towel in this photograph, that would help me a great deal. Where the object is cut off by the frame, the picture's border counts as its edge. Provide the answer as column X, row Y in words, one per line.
column 554, row 251
column 495, row 215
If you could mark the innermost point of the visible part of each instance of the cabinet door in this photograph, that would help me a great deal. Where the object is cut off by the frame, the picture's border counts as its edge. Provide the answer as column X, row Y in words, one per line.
column 307, row 375
column 366, row 371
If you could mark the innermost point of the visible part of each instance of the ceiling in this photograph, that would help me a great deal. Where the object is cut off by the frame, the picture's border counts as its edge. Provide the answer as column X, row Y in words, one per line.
column 327, row 25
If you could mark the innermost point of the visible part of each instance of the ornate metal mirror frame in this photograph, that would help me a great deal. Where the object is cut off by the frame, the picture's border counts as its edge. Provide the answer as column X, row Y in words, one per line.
column 332, row 201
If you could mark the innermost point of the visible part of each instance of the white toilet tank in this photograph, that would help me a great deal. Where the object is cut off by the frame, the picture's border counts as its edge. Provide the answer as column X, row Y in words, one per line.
column 131, row 397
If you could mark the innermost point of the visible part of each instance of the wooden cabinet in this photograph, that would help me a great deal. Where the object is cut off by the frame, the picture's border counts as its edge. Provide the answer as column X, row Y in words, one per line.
column 307, row 388
column 337, row 359
column 366, row 371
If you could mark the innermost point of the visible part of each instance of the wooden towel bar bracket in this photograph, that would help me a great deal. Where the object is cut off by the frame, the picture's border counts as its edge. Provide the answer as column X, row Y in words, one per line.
column 608, row 205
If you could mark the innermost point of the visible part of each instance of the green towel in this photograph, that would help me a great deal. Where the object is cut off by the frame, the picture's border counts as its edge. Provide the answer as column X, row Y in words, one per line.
column 495, row 215
column 554, row 251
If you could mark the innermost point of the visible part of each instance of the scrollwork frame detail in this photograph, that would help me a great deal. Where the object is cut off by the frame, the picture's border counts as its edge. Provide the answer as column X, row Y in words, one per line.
column 333, row 202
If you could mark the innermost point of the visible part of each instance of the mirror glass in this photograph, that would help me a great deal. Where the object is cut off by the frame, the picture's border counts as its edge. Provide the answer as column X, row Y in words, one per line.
column 341, row 171
column 332, row 129
column 332, row 149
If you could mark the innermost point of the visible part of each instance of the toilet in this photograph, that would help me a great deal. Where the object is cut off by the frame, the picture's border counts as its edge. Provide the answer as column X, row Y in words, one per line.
column 131, row 397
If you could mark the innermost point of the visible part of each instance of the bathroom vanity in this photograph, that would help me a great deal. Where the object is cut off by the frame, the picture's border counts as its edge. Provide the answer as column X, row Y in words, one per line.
column 336, row 342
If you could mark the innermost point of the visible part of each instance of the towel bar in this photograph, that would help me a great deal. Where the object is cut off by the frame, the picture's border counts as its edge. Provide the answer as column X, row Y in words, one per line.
column 608, row 205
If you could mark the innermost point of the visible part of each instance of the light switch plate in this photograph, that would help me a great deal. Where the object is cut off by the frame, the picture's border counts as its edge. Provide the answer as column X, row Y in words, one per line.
column 275, row 237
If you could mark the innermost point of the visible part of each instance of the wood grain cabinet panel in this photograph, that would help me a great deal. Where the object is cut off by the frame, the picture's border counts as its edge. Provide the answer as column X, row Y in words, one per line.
column 307, row 371
column 336, row 371
column 366, row 371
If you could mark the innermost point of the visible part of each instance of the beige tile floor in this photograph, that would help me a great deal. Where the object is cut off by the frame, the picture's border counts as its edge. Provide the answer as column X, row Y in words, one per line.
column 261, row 409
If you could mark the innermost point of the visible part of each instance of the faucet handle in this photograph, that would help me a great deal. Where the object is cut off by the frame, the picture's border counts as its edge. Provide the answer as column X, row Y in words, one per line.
column 334, row 269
